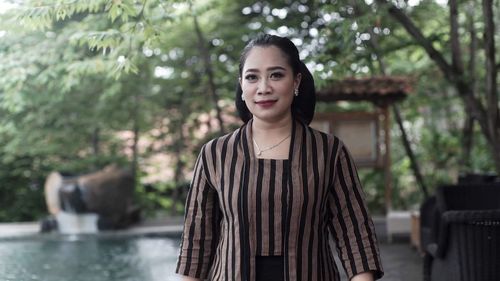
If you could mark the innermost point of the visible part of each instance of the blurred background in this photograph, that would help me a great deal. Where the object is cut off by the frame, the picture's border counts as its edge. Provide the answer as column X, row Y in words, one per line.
column 143, row 84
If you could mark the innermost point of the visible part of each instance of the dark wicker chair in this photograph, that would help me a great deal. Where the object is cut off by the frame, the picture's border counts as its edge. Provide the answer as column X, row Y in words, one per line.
column 462, row 242
column 478, row 178
column 429, row 222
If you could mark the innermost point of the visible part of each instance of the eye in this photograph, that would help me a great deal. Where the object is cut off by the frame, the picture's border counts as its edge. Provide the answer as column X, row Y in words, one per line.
column 251, row 77
column 277, row 75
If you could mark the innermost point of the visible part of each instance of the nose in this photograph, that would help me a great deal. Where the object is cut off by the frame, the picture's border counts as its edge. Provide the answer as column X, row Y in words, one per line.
column 264, row 87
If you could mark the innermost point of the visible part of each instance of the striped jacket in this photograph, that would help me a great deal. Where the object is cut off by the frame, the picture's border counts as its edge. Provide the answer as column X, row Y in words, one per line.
column 239, row 207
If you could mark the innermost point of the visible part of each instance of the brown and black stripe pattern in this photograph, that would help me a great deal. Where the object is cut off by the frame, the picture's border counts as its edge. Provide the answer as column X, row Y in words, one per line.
column 239, row 207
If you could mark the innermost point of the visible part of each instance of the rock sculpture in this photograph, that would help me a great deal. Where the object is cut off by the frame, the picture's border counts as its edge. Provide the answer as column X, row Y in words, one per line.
column 107, row 193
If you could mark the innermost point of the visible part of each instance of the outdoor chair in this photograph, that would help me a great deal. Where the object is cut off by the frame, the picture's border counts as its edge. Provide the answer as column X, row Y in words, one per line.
column 462, row 241
column 478, row 178
column 428, row 222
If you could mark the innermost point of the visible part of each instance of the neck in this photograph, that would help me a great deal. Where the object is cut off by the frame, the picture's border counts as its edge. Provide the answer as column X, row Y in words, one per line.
column 272, row 139
column 265, row 129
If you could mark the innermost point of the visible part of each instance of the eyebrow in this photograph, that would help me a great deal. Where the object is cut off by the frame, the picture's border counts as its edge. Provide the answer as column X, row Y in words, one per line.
column 268, row 69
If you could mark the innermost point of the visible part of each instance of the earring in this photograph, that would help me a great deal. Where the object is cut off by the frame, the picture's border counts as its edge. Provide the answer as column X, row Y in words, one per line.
column 242, row 97
column 296, row 92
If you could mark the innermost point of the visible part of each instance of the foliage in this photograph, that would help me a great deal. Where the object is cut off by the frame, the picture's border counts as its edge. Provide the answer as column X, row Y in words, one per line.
column 162, row 197
column 76, row 75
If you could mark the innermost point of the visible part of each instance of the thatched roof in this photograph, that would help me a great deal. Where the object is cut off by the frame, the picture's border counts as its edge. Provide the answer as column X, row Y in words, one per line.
column 381, row 89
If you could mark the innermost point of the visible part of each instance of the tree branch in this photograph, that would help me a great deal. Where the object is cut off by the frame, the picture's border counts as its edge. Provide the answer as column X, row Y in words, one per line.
column 209, row 71
column 456, row 53
column 399, row 120
column 415, row 32
column 405, row 43
column 472, row 104
column 471, row 68
column 491, row 83
column 468, row 129
column 491, row 70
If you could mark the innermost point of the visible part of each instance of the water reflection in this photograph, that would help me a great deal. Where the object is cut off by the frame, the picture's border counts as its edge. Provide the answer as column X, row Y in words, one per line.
column 89, row 259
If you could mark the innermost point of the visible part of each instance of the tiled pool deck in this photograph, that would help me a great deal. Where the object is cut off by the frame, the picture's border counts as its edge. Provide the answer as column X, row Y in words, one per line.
column 400, row 260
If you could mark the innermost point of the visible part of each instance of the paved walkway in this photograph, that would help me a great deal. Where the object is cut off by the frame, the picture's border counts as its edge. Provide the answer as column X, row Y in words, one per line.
column 401, row 262
column 166, row 226
column 18, row 229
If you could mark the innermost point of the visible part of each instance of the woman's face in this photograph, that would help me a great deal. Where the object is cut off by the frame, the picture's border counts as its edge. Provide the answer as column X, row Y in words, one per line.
column 268, row 84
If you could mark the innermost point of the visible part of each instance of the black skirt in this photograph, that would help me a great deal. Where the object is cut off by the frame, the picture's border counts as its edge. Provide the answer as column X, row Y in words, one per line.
column 269, row 268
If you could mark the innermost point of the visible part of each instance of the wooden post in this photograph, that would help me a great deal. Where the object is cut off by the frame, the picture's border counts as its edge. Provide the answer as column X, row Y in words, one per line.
column 387, row 158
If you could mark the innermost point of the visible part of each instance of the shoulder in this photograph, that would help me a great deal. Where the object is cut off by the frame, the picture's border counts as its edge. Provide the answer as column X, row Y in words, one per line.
column 213, row 147
column 211, row 154
column 332, row 141
column 329, row 145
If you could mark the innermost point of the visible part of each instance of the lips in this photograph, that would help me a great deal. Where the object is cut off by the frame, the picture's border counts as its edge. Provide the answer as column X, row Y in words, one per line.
column 266, row 103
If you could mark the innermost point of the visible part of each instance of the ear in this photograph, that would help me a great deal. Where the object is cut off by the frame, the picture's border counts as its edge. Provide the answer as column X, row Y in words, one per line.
column 296, row 81
column 239, row 80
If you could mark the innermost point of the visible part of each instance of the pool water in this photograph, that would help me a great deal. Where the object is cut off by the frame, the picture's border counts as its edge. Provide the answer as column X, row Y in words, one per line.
column 89, row 258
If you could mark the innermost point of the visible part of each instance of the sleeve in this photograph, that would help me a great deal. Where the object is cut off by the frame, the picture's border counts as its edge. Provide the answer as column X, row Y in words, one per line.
column 351, row 225
column 201, row 225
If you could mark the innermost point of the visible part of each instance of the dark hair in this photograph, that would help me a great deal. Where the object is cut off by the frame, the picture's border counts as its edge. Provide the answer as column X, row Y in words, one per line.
column 303, row 105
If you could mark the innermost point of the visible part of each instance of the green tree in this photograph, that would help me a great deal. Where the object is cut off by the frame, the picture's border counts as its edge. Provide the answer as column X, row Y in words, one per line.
column 76, row 74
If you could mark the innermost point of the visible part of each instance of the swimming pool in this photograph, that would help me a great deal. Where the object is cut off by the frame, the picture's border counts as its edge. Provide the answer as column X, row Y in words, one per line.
column 88, row 258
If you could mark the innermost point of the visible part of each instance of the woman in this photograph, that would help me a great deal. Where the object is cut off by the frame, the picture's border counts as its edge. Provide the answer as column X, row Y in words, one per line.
column 265, row 199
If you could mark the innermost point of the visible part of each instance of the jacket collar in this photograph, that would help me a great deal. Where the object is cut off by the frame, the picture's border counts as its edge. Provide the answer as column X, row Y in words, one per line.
column 296, row 142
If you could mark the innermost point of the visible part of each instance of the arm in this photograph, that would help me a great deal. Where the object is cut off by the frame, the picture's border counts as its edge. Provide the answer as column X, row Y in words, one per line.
column 201, row 225
column 365, row 276
column 351, row 225
column 186, row 278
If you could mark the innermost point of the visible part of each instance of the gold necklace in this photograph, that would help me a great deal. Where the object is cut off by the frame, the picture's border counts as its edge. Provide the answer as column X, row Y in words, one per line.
column 259, row 151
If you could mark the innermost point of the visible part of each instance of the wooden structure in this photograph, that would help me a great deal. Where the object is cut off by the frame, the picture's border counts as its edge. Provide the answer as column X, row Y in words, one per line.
column 367, row 134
